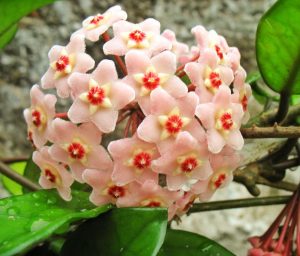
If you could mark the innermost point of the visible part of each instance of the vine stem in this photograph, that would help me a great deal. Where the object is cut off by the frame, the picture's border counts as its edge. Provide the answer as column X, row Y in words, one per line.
column 275, row 131
column 239, row 203
column 4, row 169
column 118, row 59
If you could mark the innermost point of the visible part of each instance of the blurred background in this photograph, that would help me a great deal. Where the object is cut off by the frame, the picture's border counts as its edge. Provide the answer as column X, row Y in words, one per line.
column 24, row 61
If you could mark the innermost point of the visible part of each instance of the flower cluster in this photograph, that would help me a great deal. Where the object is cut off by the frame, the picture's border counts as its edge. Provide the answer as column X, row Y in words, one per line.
column 181, row 139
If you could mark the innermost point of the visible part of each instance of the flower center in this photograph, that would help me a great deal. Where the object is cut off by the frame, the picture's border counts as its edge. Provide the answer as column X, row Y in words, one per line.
column 244, row 102
column 96, row 19
column 142, row 160
column 96, row 95
column 218, row 180
column 226, row 120
column 137, row 35
column 215, row 80
column 50, row 176
column 151, row 80
column 76, row 151
column 189, row 164
column 174, row 124
column 153, row 204
column 219, row 52
column 36, row 118
column 62, row 62
column 116, row 191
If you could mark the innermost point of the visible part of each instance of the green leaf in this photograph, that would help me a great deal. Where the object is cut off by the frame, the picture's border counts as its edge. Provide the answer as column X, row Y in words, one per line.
column 11, row 12
column 31, row 218
column 253, row 77
column 32, row 172
column 12, row 186
column 183, row 243
column 278, row 46
column 7, row 35
column 122, row 231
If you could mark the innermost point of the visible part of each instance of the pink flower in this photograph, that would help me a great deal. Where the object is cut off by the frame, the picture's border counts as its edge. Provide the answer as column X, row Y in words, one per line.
column 53, row 175
column 192, row 55
column 63, row 62
column 39, row 116
column 187, row 164
column 148, row 194
column 242, row 92
column 222, row 120
column 144, row 36
column 132, row 160
column 180, row 49
column 99, row 96
column 168, row 118
column 207, row 75
column 95, row 26
column 223, row 165
column 182, row 205
column 78, row 147
column 145, row 75
column 104, row 190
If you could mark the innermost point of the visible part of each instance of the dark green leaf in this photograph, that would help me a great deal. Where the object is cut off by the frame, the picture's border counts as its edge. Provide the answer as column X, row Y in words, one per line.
column 122, row 231
column 12, row 186
column 29, row 219
column 253, row 77
column 183, row 243
column 7, row 35
column 11, row 12
column 278, row 46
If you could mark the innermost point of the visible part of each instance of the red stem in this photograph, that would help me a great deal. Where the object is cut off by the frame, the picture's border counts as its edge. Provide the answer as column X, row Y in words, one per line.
column 289, row 240
column 61, row 115
column 287, row 221
column 118, row 59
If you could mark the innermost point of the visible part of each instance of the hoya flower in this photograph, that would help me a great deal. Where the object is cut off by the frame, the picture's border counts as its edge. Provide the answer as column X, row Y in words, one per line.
column 148, row 194
column 180, row 49
column 104, row 190
column 182, row 205
column 208, row 76
column 132, row 160
column 39, row 116
column 168, row 118
column 99, row 96
column 228, row 56
column 63, row 62
column 187, row 164
column 146, row 74
column 192, row 55
column 242, row 92
column 223, row 165
column 53, row 175
column 222, row 120
column 95, row 26
column 144, row 36
column 78, row 147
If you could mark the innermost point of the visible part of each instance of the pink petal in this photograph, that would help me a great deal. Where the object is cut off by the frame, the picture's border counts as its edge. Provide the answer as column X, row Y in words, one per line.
column 79, row 112
column 150, row 25
column 99, row 158
column 47, row 80
column 76, row 44
column 90, row 133
column 226, row 75
column 62, row 87
column 115, row 46
column 137, row 62
column 215, row 141
column 105, row 72
column 206, row 114
column 195, row 72
column 161, row 102
column 222, row 98
column 105, row 120
column 78, row 83
column 149, row 130
column 235, row 140
column 121, row 95
column 122, row 175
column 84, row 62
column 176, row 87
column 55, row 52
column 165, row 62
column 59, row 154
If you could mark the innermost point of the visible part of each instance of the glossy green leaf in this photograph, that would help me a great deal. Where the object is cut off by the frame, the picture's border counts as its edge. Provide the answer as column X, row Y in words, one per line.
column 122, row 231
column 31, row 218
column 11, row 11
column 278, row 46
column 183, row 243
column 7, row 35
column 13, row 187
